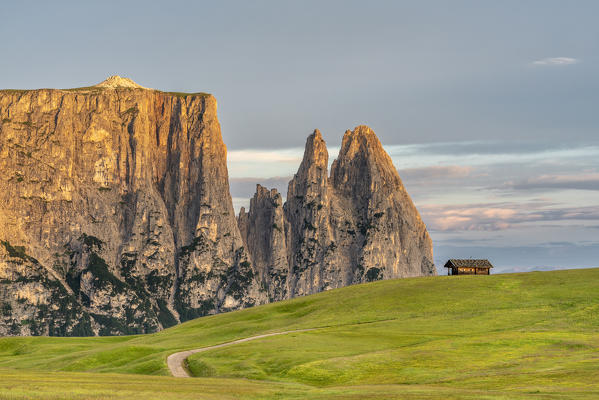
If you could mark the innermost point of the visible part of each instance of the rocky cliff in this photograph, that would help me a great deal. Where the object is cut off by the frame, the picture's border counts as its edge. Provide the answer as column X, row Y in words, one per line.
column 116, row 217
column 115, row 212
column 358, row 225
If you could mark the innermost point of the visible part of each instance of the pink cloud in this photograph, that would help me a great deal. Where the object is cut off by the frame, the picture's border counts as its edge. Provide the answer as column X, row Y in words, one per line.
column 499, row 216
column 585, row 181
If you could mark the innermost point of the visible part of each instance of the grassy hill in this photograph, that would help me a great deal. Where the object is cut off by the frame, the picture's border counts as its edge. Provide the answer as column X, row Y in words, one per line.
column 533, row 335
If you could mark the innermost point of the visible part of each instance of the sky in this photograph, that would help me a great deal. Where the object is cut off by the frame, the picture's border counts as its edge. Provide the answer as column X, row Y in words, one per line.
column 488, row 109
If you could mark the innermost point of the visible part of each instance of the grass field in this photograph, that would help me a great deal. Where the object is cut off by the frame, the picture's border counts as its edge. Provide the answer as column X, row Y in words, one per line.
column 533, row 335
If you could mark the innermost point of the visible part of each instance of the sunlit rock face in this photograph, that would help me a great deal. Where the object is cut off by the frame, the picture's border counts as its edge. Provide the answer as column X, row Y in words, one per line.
column 116, row 216
column 358, row 225
column 117, row 200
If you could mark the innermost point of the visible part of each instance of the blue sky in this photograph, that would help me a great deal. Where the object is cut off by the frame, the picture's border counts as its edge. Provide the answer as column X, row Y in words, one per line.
column 489, row 109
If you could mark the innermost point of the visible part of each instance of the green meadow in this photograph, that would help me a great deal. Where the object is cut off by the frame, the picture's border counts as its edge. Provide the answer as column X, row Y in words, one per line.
column 532, row 335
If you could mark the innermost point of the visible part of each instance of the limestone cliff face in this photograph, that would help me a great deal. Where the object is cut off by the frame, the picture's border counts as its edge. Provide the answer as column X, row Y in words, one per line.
column 116, row 216
column 34, row 302
column 391, row 238
column 307, row 209
column 358, row 225
column 117, row 200
column 263, row 230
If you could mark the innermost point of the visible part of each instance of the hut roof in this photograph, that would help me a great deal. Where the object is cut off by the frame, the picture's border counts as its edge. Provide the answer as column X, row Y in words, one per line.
column 469, row 263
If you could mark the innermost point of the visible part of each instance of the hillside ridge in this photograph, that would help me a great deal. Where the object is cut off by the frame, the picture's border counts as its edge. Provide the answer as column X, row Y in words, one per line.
column 512, row 335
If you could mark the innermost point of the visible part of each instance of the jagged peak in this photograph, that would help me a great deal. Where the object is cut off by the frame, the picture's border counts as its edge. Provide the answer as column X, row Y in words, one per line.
column 116, row 81
column 361, row 139
column 362, row 147
column 263, row 191
column 361, row 132
column 316, row 152
column 313, row 169
column 264, row 195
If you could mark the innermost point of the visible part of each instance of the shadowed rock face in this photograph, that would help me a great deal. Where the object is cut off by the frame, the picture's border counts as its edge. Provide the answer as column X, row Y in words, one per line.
column 395, row 242
column 117, row 199
column 357, row 226
column 116, row 217
column 263, row 230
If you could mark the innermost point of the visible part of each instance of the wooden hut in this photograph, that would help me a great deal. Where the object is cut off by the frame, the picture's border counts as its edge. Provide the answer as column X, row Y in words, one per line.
column 468, row 267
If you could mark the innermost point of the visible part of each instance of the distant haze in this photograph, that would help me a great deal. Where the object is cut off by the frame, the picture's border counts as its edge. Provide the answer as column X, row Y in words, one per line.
column 488, row 109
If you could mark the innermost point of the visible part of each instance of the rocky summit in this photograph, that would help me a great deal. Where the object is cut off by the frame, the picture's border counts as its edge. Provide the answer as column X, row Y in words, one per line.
column 356, row 225
column 116, row 216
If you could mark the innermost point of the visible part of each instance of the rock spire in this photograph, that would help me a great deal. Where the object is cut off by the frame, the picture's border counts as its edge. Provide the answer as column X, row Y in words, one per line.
column 358, row 225
column 116, row 216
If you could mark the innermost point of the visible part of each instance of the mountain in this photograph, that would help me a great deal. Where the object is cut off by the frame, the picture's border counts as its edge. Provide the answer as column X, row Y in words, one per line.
column 115, row 212
column 116, row 216
column 358, row 225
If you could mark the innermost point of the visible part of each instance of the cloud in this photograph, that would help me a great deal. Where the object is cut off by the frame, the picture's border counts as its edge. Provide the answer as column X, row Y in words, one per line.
column 272, row 156
column 264, row 163
column 435, row 172
column 500, row 216
column 467, row 218
column 414, row 160
column 557, row 61
column 588, row 181
column 486, row 153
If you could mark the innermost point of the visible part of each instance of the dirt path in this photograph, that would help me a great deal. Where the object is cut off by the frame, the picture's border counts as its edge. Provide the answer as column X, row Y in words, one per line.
column 176, row 361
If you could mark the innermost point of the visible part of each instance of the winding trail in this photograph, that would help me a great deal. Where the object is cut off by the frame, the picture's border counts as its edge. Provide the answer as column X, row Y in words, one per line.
column 176, row 361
